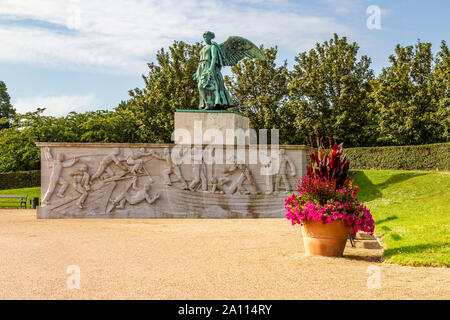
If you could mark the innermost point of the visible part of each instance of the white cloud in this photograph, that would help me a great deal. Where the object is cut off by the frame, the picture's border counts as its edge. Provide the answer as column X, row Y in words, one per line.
column 57, row 105
column 344, row 7
column 121, row 36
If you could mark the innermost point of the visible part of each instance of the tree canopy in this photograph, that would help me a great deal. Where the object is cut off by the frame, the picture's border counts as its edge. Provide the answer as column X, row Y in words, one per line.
column 259, row 89
column 330, row 91
column 410, row 97
column 168, row 86
column 7, row 111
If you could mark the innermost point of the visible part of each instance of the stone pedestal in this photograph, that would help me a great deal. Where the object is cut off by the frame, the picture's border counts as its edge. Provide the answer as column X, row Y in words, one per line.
column 210, row 126
column 212, row 171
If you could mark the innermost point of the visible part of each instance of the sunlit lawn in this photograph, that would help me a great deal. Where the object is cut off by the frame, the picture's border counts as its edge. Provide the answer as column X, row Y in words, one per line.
column 412, row 214
column 30, row 192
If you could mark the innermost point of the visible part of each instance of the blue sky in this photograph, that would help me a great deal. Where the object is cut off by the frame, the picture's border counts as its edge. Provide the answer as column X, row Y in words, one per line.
column 79, row 55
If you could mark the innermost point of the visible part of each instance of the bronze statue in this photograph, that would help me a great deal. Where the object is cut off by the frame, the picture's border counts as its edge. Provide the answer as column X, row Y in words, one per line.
column 213, row 56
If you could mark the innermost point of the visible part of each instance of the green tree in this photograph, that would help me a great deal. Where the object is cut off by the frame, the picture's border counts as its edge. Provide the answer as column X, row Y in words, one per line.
column 109, row 126
column 440, row 91
column 329, row 93
column 169, row 85
column 15, row 146
column 259, row 89
column 405, row 98
column 7, row 111
column 17, row 143
column 18, row 151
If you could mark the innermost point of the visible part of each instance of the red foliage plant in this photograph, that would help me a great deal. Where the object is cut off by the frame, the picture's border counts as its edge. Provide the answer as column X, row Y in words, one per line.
column 330, row 164
column 327, row 193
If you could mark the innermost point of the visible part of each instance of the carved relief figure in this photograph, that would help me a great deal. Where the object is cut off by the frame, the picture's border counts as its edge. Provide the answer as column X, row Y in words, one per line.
column 81, row 183
column 134, row 160
column 173, row 168
column 218, row 185
column 209, row 160
column 269, row 176
column 105, row 164
column 140, row 195
column 246, row 175
column 199, row 171
column 286, row 167
column 55, row 177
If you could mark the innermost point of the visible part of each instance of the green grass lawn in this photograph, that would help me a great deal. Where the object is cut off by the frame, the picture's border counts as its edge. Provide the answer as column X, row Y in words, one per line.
column 411, row 210
column 30, row 192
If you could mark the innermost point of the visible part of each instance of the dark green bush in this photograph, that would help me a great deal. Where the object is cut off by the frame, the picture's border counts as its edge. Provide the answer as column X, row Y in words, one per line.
column 20, row 179
column 422, row 157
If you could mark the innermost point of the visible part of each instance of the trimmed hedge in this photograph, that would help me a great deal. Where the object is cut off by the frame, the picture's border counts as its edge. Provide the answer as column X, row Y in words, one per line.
column 422, row 157
column 20, row 179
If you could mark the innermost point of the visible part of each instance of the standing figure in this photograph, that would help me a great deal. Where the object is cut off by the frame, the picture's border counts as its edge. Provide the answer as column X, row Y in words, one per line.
column 246, row 175
column 199, row 171
column 106, row 161
column 81, row 183
column 213, row 94
column 213, row 56
column 55, row 177
column 173, row 168
column 286, row 167
column 269, row 175
column 209, row 160
column 138, row 197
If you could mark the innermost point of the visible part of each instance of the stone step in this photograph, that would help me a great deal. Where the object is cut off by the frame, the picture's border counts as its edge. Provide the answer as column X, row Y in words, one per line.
column 364, row 236
column 366, row 244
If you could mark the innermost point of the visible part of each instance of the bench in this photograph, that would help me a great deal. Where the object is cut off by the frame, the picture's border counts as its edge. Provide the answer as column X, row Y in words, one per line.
column 21, row 200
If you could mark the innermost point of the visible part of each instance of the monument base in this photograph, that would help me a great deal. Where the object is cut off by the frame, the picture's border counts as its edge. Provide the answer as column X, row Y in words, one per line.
column 136, row 180
column 210, row 126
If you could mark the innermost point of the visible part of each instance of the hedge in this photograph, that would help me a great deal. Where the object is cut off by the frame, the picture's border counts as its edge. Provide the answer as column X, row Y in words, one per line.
column 422, row 157
column 20, row 179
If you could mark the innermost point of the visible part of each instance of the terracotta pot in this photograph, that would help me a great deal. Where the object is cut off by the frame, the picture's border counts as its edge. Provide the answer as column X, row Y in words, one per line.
column 325, row 239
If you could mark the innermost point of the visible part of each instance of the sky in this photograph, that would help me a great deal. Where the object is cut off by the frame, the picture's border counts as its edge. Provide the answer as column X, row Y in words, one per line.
column 81, row 55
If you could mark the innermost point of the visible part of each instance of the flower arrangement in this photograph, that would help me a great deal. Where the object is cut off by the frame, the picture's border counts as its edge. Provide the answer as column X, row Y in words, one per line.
column 327, row 193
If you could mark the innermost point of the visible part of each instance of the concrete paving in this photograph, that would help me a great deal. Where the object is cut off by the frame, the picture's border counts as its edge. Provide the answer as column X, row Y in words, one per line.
column 191, row 259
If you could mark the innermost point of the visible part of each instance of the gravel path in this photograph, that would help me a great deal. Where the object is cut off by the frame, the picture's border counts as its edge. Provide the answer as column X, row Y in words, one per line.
column 188, row 259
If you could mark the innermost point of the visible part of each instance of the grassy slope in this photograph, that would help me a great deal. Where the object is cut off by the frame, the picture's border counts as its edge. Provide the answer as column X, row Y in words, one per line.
column 411, row 212
column 30, row 192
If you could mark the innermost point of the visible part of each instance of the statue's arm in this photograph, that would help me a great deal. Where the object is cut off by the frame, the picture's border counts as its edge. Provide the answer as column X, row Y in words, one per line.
column 291, row 166
column 117, row 162
column 213, row 57
column 87, row 181
column 229, row 169
column 49, row 154
column 195, row 76
column 69, row 163
column 150, row 200
column 157, row 155
column 134, row 184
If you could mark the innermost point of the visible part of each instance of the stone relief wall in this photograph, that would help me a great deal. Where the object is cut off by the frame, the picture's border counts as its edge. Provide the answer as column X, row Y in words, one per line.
column 164, row 181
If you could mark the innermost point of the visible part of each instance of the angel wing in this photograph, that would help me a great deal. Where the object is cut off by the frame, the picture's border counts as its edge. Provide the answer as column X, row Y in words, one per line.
column 237, row 48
